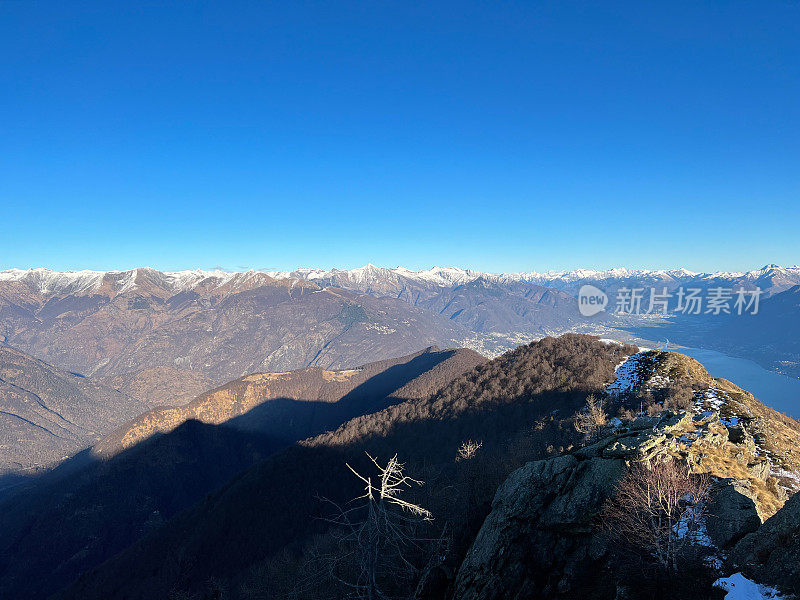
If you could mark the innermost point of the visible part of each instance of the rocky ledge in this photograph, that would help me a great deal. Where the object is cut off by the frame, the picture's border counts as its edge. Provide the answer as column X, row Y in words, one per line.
column 542, row 538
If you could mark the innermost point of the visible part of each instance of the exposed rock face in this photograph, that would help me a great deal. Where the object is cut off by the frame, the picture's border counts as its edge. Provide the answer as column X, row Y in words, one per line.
column 539, row 540
column 771, row 555
column 733, row 512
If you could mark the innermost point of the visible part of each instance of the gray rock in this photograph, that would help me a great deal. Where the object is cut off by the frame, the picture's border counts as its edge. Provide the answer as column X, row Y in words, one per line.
column 540, row 540
column 732, row 512
column 737, row 433
column 674, row 423
column 644, row 445
column 760, row 469
column 771, row 555
column 716, row 439
column 645, row 422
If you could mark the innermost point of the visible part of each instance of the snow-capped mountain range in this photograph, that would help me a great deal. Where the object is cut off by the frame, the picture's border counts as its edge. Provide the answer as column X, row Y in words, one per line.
column 769, row 275
column 379, row 280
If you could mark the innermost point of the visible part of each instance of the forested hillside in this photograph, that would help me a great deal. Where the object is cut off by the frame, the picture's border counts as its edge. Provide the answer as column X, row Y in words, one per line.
column 518, row 406
column 68, row 521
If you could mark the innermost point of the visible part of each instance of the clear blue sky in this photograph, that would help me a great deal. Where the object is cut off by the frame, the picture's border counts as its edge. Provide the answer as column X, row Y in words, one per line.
column 499, row 136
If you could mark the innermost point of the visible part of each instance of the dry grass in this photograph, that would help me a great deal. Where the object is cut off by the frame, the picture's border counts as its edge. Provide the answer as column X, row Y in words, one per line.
column 722, row 462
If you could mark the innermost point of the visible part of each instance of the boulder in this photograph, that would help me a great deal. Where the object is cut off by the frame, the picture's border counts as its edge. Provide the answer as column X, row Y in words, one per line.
column 645, row 422
column 737, row 434
column 674, row 423
column 732, row 512
column 760, row 469
column 540, row 539
column 771, row 554
column 642, row 445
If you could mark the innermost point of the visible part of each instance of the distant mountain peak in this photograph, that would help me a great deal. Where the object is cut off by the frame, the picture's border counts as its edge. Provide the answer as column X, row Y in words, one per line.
column 148, row 279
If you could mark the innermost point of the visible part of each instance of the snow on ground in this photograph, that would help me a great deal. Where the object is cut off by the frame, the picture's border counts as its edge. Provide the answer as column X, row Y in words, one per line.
column 739, row 587
column 628, row 375
column 789, row 479
column 712, row 398
column 441, row 276
column 692, row 527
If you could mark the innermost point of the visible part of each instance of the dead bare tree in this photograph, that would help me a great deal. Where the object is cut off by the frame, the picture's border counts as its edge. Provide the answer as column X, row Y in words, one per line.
column 378, row 546
column 591, row 418
column 658, row 509
column 467, row 450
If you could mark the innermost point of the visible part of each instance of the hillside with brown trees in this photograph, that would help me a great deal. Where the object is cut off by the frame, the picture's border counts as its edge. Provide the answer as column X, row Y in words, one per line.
column 90, row 508
column 518, row 406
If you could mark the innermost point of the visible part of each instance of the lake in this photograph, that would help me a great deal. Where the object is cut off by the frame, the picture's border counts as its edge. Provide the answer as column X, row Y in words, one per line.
column 777, row 391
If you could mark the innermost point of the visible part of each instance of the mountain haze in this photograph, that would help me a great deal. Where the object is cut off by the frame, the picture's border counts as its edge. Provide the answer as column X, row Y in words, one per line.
column 47, row 414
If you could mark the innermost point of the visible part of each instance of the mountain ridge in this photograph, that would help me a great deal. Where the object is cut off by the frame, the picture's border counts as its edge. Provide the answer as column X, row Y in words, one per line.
column 48, row 414
column 83, row 281
column 518, row 406
column 124, row 490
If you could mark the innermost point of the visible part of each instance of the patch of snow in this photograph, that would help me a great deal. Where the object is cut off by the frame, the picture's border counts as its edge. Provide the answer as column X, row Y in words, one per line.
column 786, row 474
column 627, row 375
column 692, row 526
column 712, row 397
column 793, row 479
column 739, row 587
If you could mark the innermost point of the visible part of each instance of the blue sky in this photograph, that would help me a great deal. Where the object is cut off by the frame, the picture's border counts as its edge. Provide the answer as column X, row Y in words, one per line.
column 499, row 136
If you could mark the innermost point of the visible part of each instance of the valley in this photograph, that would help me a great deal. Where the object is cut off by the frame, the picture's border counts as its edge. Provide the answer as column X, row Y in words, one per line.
column 179, row 421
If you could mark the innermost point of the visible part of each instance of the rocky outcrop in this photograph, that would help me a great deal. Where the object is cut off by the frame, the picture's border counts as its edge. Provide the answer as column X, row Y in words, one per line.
column 539, row 539
column 733, row 512
column 771, row 555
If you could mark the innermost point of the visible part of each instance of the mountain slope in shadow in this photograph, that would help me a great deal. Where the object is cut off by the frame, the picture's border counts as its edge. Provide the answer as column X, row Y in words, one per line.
column 297, row 404
column 259, row 535
column 62, row 525
column 273, row 505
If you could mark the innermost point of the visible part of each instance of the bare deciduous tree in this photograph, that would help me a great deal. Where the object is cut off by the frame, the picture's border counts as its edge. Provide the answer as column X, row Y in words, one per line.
column 377, row 538
column 591, row 418
column 467, row 450
column 658, row 510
